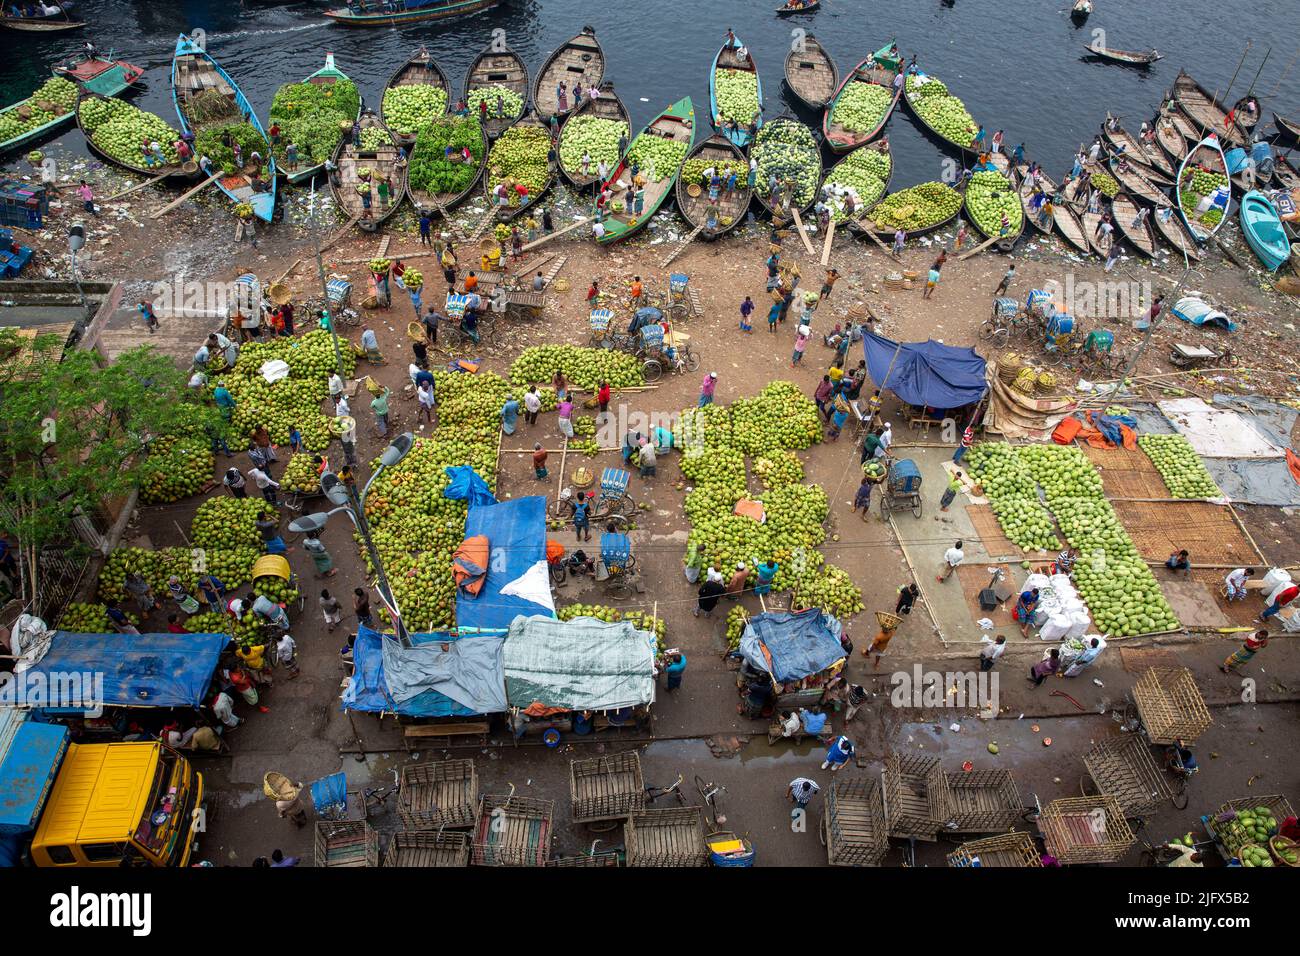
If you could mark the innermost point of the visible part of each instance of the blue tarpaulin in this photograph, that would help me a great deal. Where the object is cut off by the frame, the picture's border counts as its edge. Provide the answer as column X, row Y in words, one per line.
column 925, row 373
column 792, row 645
column 139, row 670
column 463, row 681
column 466, row 485
column 518, row 581
column 29, row 765
column 368, row 690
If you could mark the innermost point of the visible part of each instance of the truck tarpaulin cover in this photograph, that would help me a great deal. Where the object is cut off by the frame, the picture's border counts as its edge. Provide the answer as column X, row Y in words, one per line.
column 925, row 373
column 791, row 646
column 441, row 676
column 28, row 766
column 518, row 581
column 139, row 670
column 582, row 664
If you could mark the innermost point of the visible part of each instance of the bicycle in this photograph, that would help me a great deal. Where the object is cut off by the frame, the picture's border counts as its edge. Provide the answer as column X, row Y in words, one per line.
column 710, row 792
column 376, row 798
column 653, row 793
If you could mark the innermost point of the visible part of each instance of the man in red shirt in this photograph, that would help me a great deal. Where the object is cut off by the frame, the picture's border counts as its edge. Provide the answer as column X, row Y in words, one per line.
column 602, row 396
column 1282, row 600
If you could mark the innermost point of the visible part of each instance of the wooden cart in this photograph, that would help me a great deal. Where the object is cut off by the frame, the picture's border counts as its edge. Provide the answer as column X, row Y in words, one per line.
column 1170, row 705
column 1085, row 830
column 426, row 848
column 1003, row 850
column 512, row 831
column 346, row 843
column 853, row 826
column 438, row 795
column 606, row 788
column 983, row 801
column 1122, row 768
column 673, row 837
column 609, row 858
column 917, row 802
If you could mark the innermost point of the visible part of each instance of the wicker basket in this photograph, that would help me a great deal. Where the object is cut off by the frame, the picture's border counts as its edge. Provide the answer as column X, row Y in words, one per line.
column 1004, row 850
column 1009, row 366
column 1279, row 845
column 1085, row 830
column 1171, row 705
column 279, row 293
column 888, row 621
column 279, row 787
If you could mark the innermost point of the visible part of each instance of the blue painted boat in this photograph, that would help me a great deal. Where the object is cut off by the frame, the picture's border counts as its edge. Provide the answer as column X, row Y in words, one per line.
column 194, row 74
column 1262, row 226
column 727, row 58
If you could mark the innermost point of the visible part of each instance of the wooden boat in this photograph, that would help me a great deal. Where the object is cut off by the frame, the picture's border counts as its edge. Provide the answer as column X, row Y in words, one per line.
column 1288, row 130
column 1099, row 244
column 195, row 73
column 1040, row 222
column 814, row 156
column 1170, row 140
column 1262, row 227
column 731, row 207
column 55, row 23
column 808, row 6
column 606, row 106
column 741, row 130
column 909, row 98
column 508, row 213
column 1191, row 135
column 327, row 75
column 1145, row 154
column 867, row 224
column 1245, row 119
column 580, row 60
column 1064, row 216
column 1205, row 112
column 377, row 13
column 420, row 70
column 811, row 75
column 175, row 172
column 1173, row 231
column 884, row 64
column 1284, row 174
column 1207, row 155
column 100, row 74
column 383, row 164
column 1125, row 214
column 879, row 146
column 1005, row 243
column 442, row 202
column 1079, row 12
column 1142, row 58
column 676, row 123
column 1134, row 182
column 498, row 65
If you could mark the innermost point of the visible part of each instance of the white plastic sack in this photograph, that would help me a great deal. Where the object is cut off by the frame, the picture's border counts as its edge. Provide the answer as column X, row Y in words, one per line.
column 1036, row 580
column 274, row 370
column 1062, row 584
column 1079, row 624
column 1055, row 629
column 1275, row 577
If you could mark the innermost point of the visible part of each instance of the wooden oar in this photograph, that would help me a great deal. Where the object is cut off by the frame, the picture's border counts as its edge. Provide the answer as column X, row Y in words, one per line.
column 186, row 195
column 802, row 235
column 559, row 232
column 138, row 186
column 826, row 246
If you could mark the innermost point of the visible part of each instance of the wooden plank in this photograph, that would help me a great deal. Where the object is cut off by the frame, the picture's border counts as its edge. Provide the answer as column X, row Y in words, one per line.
column 887, row 250
column 798, row 222
column 681, row 247
column 980, row 248
column 139, row 186
column 826, row 245
column 186, row 195
column 556, row 234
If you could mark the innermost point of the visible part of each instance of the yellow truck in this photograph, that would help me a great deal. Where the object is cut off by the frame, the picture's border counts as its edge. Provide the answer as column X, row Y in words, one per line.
column 111, row 804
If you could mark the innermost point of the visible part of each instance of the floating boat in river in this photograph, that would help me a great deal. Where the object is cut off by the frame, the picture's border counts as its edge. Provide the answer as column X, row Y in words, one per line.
column 676, row 123
column 1170, row 139
column 693, row 197
column 804, row 6
column 1005, row 242
column 810, row 73
column 100, row 74
column 1288, row 130
column 876, row 70
column 1146, row 154
column 199, row 85
column 739, row 130
column 518, row 133
column 384, row 13
column 95, row 74
column 1206, row 113
column 442, row 201
column 176, row 172
column 1134, row 182
column 1064, row 217
column 1079, row 12
column 59, row 21
column 885, row 233
column 420, row 70
column 579, row 60
column 1171, row 228
column 327, row 75
column 786, row 124
column 1262, row 227
column 1206, row 157
column 608, row 106
column 911, row 97
column 368, row 165
column 1128, row 57
column 498, row 65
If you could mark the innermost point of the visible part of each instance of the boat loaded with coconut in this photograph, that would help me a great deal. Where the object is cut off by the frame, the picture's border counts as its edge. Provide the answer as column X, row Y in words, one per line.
column 385, row 13
column 53, row 104
column 125, row 135
column 862, row 104
column 714, row 210
column 314, row 116
column 1203, row 190
column 498, row 77
column 225, row 127
column 593, row 132
column 858, row 181
column 735, row 93
column 652, row 164
column 370, row 180
column 518, row 171
column 416, row 93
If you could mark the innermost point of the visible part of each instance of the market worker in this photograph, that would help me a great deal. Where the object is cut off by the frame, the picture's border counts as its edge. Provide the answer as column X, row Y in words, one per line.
column 871, row 446
column 582, row 516
column 840, row 753
column 1180, row 561
column 663, row 438
column 225, row 401
column 1281, row 601
column 370, row 342
column 270, row 612
column 1236, row 583
column 707, row 388
column 1065, row 561
column 1026, row 605
column 509, row 415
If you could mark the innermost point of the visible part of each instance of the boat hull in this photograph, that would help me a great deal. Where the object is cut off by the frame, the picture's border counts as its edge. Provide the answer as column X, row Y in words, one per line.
column 1262, row 227
column 725, row 59
column 441, row 12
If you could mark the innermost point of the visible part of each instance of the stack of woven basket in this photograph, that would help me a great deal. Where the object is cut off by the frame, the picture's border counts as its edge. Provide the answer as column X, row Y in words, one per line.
column 1009, row 366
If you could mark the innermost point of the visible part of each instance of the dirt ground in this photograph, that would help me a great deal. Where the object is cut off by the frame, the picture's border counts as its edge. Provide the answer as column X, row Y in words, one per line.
column 305, row 735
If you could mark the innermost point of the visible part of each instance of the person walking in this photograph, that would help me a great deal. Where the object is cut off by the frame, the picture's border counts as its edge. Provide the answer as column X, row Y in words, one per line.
column 286, row 654
column 673, row 671
column 1254, row 644
column 330, row 609
column 582, row 517
column 266, row 485
column 426, row 228
column 1046, row 667
column 900, row 237
column 746, row 310
column 832, row 276
column 880, row 644
column 379, row 405
column 361, row 607
column 1282, row 600
column 951, row 558
column 800, row 343
column 539, row 461
column 801, row 791
column 991, row 651
column 1007, row 278
column 150, row 317
column 509, row 415
column 348, row 439
column 932, row 280
column 841, row 751
column 907, row 595
column 424, row 394
column 647, row 459
column 87, row 197
column 707, row 388
column 320, row 557
column 710, row 591
column 862, row 497
column 235, row 481
column 949, row 493
column 603, row 395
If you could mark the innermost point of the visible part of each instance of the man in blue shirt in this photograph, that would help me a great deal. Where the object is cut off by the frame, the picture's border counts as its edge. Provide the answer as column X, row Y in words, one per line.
column 674, row 669
column 582, row 518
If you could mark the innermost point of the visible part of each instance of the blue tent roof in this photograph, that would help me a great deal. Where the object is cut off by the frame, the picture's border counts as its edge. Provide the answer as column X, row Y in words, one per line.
column 368, row 690
column 138, row 670
column 518, row 581
column 925, row 373
column 792, row 645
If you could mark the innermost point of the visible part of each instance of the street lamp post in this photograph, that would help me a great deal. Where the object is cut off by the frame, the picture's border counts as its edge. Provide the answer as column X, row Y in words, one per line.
column 324, row 286
column 353, row 504
column 76, row 240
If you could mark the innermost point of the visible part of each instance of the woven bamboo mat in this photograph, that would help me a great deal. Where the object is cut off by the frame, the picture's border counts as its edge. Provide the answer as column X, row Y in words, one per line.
column 997, row 544
column 1136, row 660
column 1126, row 474
column 1207, row 531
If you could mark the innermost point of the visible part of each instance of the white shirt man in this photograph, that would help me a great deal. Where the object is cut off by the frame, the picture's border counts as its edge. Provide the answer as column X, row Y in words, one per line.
column 532, row 403
column 951, row 558
column 887, row 437
column 262, row 479
column 598, row 230
column 992, row 650
column 285, row 648
column 223, row 708
column 349, row 434
column 425, row 395
column 336, row 386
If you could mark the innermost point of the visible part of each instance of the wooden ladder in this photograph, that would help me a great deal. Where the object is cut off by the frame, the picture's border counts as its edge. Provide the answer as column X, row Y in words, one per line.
column 481, row 226
column 681, row 246
column 554, row 269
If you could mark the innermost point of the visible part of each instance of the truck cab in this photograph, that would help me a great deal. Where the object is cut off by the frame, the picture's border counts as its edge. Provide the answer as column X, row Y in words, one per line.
column 121, row 804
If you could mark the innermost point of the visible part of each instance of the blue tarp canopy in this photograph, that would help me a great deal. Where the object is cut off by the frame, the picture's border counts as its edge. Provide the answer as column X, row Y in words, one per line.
column 466, row 485
column 792, row 645
column 925, row 373
column 138, row 670
column 518, row 581
column 465, row 680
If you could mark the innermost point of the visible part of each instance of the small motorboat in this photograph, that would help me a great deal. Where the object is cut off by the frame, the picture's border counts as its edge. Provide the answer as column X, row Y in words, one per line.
column 1079, row 12
column 1262, row 227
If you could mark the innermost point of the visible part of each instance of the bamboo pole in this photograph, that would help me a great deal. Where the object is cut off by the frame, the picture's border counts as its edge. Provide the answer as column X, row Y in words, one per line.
column 555, row 235
column 559, row 483
column 980, row 248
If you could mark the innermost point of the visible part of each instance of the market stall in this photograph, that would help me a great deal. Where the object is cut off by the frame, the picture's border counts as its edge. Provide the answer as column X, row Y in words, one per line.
column 797, row 652
column 925, row 375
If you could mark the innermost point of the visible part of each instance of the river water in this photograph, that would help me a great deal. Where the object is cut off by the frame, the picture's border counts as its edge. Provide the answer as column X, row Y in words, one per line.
column 1019, row 66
